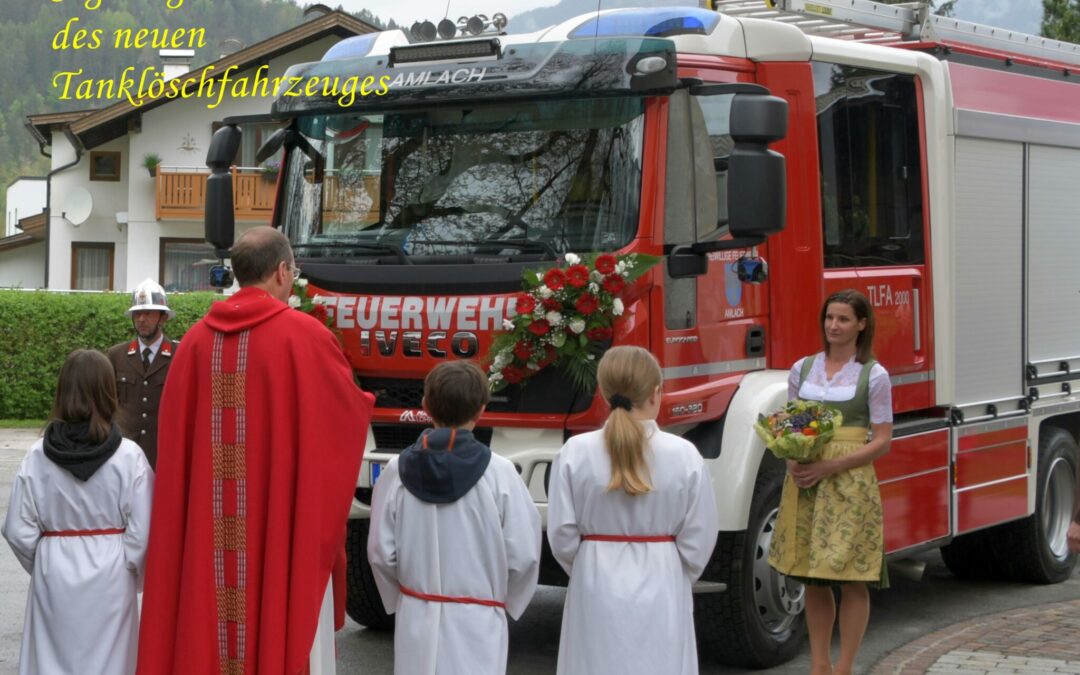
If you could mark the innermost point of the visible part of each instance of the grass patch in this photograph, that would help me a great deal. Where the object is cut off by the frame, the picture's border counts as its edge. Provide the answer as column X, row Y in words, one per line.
column 21, row 424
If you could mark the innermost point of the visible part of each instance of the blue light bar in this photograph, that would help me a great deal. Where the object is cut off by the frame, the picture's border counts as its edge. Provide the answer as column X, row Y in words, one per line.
column 351, row 48
column 656, row 22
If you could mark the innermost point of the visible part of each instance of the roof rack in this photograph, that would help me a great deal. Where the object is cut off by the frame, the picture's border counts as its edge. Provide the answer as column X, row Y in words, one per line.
column 878, row 22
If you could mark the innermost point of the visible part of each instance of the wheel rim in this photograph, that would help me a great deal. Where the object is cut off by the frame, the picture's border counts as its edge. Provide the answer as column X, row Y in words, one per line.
column 778, row 599
column 1057, row 504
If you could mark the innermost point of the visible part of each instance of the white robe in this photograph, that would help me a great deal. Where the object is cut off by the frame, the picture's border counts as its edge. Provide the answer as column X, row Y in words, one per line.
column 81, row 613
column 485, row 545
column 629, row 608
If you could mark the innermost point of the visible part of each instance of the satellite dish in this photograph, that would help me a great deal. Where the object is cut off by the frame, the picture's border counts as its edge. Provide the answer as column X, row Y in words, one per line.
column 77, row 206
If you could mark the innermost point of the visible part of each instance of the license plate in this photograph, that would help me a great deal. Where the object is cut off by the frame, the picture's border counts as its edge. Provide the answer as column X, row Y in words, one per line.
column 376, row 469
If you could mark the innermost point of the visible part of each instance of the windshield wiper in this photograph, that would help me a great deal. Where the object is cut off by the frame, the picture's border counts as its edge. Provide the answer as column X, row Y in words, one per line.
column 520, row 244
column 402, row 257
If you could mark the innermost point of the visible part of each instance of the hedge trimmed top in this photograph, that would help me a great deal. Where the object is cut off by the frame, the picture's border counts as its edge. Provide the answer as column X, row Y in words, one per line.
column 39, row 329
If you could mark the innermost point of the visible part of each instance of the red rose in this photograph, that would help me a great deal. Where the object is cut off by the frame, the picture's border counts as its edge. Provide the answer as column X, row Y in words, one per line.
column 577, row 276
column 552, row 305
column 555, row 278
column 587, row 304
column 525, row 304
column 513, row 375
column 540, row 327
column 599, row 334
column 550, row 354
column 613, row 283
column 605, row 264
column 319, row 312
column 523, row 351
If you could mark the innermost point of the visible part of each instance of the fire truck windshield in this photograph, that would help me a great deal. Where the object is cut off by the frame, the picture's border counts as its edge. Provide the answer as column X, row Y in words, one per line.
column 518, row 180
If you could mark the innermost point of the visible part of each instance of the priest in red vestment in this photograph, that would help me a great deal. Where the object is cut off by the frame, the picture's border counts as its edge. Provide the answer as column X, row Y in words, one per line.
column 260, row 438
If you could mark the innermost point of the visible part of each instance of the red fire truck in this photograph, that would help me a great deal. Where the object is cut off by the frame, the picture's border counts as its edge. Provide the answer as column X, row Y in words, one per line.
column 930, row 162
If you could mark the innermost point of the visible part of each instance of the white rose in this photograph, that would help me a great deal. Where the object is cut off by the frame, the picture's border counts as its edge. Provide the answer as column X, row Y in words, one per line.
column 508, row 324
column 554, row 318
column 294, row 301
column 532, row 366
column 539, row 276
column 620, row 267
column 495, row 377
column 545, row 292
column 572, row 259
column 577, row 326
column 502, row 359
column 594, row 288
column 302, row 283
column 558, row 340
column 617, row 307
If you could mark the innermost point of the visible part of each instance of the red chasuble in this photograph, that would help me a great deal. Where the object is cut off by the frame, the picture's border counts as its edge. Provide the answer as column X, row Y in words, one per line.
column 261, row 434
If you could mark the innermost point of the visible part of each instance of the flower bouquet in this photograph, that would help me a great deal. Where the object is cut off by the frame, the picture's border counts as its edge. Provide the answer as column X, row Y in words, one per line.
column 799, row 431
column 565, row 316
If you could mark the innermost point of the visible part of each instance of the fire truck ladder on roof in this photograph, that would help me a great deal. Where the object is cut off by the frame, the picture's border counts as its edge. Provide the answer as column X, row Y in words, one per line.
column 878, row 22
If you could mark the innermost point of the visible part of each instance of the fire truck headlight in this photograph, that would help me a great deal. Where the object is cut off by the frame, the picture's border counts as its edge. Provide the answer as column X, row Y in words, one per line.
column 422, row 32
column 476, row 24
column 447, row 29
column 651, row 64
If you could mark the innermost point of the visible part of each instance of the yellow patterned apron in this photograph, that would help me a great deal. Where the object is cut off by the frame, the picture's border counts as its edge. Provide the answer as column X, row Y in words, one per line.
column 834, row 532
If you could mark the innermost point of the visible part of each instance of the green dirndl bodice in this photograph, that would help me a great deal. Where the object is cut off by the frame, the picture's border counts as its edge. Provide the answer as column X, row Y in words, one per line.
column 834, row 533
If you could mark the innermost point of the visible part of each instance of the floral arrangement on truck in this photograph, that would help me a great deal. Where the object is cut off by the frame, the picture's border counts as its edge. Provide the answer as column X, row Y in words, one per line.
column 565, row 317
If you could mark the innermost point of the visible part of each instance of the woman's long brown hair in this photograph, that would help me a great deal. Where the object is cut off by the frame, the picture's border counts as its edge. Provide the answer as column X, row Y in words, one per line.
column 86, row 392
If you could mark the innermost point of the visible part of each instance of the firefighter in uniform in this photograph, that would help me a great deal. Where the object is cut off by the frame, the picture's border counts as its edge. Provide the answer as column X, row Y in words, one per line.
column 141, row 366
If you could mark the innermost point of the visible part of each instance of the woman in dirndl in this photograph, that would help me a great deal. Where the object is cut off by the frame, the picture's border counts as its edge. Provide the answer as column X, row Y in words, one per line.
column 831, row 535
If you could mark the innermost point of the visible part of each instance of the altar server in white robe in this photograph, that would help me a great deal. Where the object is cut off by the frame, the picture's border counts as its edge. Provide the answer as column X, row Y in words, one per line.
column 455, row 538
column 632, row 519
column 78, row 521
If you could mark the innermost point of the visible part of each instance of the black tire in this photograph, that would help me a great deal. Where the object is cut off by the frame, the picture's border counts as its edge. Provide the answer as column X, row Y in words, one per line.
column 1032, row 550
column 362, row 601
column 758, row 621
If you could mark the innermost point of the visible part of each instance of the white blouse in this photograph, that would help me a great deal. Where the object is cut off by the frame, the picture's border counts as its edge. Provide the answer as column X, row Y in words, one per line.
column 841, row 387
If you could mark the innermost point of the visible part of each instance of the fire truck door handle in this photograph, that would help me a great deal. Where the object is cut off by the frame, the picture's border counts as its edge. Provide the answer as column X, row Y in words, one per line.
column 917, row 313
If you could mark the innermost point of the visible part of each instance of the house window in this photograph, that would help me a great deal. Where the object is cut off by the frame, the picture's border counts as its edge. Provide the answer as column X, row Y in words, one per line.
column 183, row 266
column 104, row 165
column 92, row 266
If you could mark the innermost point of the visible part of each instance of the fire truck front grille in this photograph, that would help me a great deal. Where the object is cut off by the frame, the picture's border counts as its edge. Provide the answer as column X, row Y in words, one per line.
column 394, row 392
column 397, row 437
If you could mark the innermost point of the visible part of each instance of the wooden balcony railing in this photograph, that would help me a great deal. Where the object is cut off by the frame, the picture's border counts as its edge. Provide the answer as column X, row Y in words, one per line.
column 181, row 194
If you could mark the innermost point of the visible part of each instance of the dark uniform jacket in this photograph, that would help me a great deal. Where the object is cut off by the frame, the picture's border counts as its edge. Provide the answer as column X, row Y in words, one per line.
column 139, row 392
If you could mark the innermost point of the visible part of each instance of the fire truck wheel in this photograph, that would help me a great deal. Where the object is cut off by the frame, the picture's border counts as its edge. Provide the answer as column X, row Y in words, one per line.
column 362, row 601
column 757, row 622
column 1034, row 549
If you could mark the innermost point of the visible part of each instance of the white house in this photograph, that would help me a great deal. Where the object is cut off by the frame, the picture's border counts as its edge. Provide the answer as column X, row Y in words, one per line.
column 25, row 198
column 109, row 224
column 22, row 248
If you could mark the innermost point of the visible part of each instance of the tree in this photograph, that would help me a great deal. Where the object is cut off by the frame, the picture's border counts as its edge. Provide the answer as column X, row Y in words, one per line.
column 1061, row 20
column 942, row 8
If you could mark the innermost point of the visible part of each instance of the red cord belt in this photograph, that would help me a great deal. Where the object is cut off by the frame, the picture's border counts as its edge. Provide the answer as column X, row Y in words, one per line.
column 450, row 598
column 628, row 538
column 83, row 533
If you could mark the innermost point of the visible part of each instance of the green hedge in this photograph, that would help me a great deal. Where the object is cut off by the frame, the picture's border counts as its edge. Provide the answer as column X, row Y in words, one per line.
column 38, row 329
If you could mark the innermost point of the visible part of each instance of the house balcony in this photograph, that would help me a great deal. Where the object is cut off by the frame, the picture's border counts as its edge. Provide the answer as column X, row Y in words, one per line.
column 181, row 193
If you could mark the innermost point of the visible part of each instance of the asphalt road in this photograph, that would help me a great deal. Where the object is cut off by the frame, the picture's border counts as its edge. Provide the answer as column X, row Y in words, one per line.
column 906, row 611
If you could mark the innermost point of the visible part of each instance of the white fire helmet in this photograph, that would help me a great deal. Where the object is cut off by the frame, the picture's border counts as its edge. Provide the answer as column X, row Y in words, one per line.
column 149, row 296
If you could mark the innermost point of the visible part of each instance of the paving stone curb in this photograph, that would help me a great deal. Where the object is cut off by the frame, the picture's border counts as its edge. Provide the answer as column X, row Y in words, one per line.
column 1040, row 639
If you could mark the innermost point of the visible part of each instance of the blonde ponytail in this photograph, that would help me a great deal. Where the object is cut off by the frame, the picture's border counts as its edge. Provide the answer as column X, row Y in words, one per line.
column 628, row 376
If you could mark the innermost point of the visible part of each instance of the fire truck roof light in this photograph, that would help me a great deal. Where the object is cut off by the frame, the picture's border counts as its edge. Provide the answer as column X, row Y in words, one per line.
column 351, row 48
column 658, row 22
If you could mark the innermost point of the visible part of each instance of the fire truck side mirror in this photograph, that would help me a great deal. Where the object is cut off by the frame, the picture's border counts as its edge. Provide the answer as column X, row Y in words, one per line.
column 755, row 173
column 218, row 222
